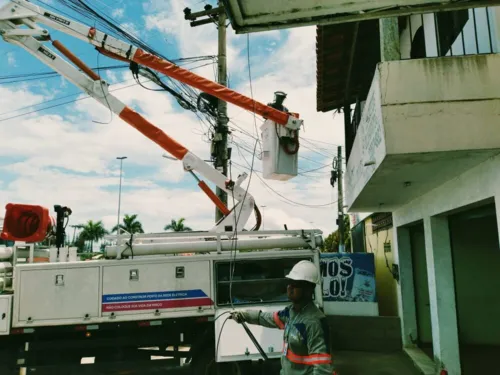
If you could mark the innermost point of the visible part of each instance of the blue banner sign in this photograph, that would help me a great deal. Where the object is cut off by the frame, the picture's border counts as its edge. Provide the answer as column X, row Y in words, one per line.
column 348, row 277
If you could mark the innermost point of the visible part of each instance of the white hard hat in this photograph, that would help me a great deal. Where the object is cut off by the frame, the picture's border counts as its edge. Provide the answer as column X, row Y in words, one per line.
column 304, row 271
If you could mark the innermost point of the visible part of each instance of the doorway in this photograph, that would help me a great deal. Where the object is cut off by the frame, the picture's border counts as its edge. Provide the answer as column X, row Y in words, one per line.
column 421, row 288
column 476, row 261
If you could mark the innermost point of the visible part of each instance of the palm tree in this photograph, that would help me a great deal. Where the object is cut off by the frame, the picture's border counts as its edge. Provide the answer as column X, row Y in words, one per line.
column 93, row 231
column 130, row 225
column 177, row 226
column 75, row 227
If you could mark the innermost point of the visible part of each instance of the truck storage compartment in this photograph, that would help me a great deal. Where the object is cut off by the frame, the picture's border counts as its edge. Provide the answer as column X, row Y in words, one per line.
column 5, row 307
column 146, row 288
column 256, row 284
column 254, row 281
column 53, row 295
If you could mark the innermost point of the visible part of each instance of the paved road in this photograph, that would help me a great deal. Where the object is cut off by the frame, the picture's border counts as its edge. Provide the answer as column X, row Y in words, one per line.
column 346, row 363
column 369, row 363
column 366, row 363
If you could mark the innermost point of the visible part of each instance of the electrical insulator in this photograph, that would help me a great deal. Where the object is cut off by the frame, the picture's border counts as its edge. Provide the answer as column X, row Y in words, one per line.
column 26, row 223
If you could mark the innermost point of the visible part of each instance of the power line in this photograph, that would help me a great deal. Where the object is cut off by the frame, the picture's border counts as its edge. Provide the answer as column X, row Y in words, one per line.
column 25, row 77
column 107, row 24
column 243, row 131
column 287, row 200
column 301, row 173
column 15, row 78
column 73, row 101
column 249, row 178
column 59, row 105
column 315, row 140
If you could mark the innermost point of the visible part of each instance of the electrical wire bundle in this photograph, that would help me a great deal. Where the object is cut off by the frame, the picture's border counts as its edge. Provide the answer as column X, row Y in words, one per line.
column 186, row 96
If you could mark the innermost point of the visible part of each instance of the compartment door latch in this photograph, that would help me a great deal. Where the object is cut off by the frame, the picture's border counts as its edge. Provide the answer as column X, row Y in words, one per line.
column 59, row 280
column 134, row 275
column 179, row 272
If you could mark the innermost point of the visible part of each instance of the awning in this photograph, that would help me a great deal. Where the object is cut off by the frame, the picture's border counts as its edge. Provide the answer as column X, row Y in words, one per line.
column 346, row 57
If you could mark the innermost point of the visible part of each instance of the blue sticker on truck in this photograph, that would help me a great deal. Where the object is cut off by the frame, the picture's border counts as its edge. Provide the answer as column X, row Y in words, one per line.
column 155, row 300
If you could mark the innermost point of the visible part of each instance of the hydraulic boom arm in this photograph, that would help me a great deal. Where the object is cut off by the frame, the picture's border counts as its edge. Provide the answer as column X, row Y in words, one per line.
column 18, row 25
column 22, row 10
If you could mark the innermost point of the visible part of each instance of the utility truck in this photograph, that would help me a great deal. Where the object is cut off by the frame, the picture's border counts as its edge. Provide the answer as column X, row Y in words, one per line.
column 144, row 299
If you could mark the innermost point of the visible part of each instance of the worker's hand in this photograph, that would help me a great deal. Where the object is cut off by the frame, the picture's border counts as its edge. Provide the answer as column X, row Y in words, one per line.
column 238, row 316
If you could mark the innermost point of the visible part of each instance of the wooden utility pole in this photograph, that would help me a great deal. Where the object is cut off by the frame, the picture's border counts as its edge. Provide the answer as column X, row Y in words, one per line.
column 220, row 150
column 340, row 220
column 336, row 177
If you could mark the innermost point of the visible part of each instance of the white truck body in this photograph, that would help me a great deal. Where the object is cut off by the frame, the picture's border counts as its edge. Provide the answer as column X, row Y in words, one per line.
column 154, row 288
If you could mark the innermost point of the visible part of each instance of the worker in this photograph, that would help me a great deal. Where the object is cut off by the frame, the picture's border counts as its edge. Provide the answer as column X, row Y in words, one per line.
column 279, row 98
column 306, row 349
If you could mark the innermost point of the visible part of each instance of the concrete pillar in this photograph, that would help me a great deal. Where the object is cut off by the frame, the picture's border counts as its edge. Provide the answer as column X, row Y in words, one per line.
column 494, row 14
column 497, row 208
column 389, row 39
column 442, row 294
column 406, row 292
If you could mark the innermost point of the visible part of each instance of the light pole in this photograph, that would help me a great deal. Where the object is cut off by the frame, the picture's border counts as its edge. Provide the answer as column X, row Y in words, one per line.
column 263, row 222
column 121, row 158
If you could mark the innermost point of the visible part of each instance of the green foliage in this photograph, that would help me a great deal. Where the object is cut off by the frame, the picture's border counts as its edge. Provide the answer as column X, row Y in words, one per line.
column 130, row 225
column 92, row 231
column 331, row 243
column 80, row 243
column 177, row 226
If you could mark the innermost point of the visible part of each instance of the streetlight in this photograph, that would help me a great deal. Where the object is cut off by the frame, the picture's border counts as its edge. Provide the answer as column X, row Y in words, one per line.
column 263, row 212
column 121, row 158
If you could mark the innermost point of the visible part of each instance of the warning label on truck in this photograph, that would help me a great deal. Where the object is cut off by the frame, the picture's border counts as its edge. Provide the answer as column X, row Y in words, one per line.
column 155, row 300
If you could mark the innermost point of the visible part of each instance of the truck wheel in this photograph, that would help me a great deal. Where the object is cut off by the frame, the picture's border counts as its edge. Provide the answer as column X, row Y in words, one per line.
column 205, row 365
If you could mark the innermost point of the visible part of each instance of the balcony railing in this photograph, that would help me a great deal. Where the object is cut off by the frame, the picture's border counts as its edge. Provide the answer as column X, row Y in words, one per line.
column 456, row 33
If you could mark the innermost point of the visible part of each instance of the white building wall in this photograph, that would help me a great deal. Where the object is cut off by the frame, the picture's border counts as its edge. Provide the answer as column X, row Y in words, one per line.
column 479, row 184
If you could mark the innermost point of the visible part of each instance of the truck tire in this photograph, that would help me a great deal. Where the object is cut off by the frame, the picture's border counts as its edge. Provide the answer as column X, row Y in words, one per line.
column 202, row 358
column 206, row 365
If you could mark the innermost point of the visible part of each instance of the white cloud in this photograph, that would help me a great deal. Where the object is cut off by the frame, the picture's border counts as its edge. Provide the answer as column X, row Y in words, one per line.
column 11, row 59
column 118, row 12
column 85, row 150
column 131, row 28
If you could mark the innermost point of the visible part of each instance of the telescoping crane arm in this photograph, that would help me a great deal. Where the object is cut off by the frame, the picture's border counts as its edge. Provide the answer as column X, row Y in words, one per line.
column 19, row 25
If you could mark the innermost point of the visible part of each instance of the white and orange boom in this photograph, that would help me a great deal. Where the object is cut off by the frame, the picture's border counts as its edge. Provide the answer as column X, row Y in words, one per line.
column 19, row 21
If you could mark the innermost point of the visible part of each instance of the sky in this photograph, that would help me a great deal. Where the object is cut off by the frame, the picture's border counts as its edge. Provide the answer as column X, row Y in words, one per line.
column 59, row 147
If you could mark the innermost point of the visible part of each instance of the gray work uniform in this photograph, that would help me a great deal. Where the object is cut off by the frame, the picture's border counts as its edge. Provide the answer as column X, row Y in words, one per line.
column 306, row 347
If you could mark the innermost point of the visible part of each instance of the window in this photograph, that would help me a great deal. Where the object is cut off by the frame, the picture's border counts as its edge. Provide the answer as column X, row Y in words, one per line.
column 254, row 281
column 381, row 221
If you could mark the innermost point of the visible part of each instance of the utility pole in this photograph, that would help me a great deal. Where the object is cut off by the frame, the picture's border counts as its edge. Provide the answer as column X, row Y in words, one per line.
column 340, row 220
column 337, row 177
column 220, row 151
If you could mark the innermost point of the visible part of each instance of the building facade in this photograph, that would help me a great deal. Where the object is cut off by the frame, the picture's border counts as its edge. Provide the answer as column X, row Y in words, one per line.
column 423, row 142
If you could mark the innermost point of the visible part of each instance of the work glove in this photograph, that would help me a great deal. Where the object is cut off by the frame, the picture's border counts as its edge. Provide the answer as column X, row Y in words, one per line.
column 241, row 316
column 238, row 316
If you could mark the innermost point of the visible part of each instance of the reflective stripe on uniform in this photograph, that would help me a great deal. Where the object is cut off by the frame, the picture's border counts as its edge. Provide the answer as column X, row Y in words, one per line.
column 311, row 359
column 278, row 321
